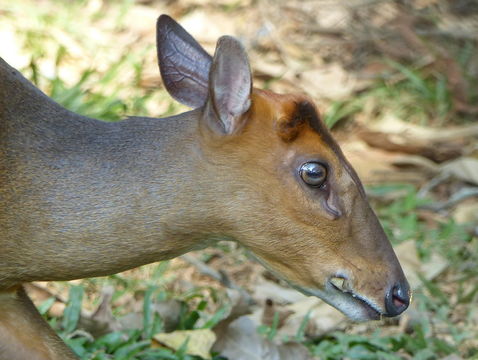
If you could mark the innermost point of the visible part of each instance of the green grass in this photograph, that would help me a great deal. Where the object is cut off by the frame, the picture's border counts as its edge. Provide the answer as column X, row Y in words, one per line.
column 411, row 94
column 401, row 222
column 400, row 219
column 127, row 344
column 93, row 94
column 418, row 97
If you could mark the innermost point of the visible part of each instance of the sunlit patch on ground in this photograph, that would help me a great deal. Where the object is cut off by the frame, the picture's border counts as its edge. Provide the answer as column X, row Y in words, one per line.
column 397, row 91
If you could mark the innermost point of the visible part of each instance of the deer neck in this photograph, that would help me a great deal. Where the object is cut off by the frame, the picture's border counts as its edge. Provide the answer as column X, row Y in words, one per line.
column 134, row 188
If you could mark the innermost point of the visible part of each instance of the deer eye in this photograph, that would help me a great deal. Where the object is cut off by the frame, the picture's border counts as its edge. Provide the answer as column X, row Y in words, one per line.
column 313, row 173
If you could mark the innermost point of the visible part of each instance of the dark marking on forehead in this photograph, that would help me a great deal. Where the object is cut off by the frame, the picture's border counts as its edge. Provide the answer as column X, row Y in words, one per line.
column 290, row 126
column 308, row 112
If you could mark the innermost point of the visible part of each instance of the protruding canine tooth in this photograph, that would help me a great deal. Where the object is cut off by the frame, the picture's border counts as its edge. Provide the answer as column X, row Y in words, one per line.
column 347, row 287
column 338, row 282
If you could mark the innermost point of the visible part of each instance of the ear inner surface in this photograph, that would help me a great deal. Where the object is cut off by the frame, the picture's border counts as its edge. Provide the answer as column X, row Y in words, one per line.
column 183, row 63
column 230, row 83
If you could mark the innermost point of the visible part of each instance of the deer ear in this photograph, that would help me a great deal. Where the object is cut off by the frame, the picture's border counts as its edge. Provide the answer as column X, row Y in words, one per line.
column 230, row 86
column 183, row 63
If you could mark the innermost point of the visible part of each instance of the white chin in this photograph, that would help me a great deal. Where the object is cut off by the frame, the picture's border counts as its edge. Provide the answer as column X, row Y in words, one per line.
column 356, row 307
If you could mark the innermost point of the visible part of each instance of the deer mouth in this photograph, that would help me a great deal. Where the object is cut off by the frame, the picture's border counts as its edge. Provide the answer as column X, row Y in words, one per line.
column 365, row 309
column 355, row 306
column 337, row 293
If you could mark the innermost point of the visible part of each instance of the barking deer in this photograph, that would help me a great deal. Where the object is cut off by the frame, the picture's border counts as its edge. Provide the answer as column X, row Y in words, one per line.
column 81, row 197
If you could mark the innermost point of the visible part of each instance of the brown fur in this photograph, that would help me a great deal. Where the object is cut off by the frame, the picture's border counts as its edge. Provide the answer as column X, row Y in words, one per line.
column 353, row 241
column 23, row 332
column 82, row 198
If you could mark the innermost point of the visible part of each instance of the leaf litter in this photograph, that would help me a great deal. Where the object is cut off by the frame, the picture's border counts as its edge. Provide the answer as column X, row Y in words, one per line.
column 317, row 50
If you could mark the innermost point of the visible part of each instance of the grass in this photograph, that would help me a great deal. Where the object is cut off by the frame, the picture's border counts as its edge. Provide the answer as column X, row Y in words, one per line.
column 128, row 344
column 411, row 94
column 437, row 333
column 401, row 221
column 421, row 341
column 92, row 94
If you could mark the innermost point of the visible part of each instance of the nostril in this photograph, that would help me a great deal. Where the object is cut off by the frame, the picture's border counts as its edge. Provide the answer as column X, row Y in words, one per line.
column 397, row 299
column 398, row 302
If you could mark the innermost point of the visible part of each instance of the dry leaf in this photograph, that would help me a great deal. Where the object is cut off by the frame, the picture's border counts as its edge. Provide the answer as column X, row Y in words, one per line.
column 266, row 289
column 199, row 343
column 207, row 26
column 466, row 212
column 269, row 313
column 407, row 254
column 102, row 320
column 412, row 265
column 452, row 357
column 242, row 342
column 131, row 321
column 323, row 318
column 433, row 267
column 464, row 168
column 103, row 313
column 170, row 313
column 240, row 305
column 39, row 293
column 379, row 170
column 330, row 82
column 390, row 124
column 437, row 151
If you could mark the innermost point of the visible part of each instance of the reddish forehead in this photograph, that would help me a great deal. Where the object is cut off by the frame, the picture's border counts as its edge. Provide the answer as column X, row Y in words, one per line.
column 292, row 112
column 296, row 116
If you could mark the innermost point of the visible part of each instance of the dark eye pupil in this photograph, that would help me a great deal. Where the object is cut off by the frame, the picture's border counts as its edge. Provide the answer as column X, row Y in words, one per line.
column 313, row 173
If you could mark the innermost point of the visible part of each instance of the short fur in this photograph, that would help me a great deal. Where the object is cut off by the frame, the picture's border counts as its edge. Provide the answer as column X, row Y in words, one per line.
column 81, row 198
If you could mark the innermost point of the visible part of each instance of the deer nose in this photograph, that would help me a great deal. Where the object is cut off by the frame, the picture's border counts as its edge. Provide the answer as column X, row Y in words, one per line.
column 397, row 299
